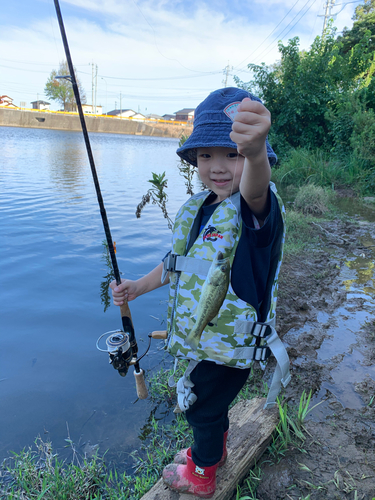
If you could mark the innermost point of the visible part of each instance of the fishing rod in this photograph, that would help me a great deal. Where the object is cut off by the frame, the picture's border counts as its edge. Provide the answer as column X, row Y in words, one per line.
column 121, row 344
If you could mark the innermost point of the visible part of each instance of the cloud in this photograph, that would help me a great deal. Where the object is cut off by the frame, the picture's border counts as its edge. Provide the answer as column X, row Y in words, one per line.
column 153, row 40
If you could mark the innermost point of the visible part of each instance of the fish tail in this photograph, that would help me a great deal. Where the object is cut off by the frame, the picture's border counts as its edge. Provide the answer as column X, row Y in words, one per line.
column 193, row 339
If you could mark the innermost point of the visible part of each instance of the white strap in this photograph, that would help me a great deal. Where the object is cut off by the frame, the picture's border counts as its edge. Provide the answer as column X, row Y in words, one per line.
column 186, row 264
column 282, row 373
column 185, row 396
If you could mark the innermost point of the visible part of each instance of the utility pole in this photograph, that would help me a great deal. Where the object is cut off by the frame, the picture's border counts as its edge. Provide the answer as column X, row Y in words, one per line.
column 226, row 73
column 92, row 87
column 120, row 107
column 96, row 86
column 327, row 14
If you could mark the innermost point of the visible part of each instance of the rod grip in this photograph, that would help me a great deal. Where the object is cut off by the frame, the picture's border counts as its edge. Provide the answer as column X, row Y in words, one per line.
column 125, row 311
column 140, row 383
column 159, row 334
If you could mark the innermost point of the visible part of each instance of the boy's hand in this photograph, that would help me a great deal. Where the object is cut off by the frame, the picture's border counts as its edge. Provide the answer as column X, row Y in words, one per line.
column 250, row 128
column 126, row 291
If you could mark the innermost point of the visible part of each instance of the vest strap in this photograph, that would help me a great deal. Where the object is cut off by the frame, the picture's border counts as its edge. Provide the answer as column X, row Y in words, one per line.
column 254, row 353
column 254, row 328
column 282, row 374
column 174, row 262
column 273, row 345
column 185, row 396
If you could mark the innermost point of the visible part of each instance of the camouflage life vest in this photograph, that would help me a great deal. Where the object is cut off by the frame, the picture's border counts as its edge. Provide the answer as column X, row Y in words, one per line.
column 223, row 341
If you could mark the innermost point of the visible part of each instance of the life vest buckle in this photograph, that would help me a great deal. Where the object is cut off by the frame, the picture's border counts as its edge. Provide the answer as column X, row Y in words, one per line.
column 170, row 263
column 261, row 353
column 261, row 330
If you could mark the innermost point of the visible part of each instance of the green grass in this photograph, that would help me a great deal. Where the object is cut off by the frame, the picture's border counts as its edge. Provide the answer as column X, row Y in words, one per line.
column 299, row 233
column 305, row 166
column 37, row 473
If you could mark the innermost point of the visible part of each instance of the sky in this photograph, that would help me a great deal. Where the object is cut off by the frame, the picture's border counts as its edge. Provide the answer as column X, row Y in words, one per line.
column 151, row 56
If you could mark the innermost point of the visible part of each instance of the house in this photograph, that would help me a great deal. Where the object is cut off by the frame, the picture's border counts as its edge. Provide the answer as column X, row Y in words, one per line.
column 127, row 113
column 40, row 105
column 89, row 109
column 154, row 118
column 169, row 118
column 185, row 115
column 7, row 102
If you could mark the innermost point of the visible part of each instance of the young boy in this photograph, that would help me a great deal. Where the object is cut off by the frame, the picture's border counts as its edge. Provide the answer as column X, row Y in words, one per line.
column 241, row 217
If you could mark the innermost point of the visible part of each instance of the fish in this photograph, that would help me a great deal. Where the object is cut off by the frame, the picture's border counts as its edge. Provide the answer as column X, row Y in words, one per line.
column 211, row 299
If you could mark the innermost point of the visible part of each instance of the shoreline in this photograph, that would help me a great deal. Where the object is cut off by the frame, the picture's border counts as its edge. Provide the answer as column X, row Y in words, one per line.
column 104, row 124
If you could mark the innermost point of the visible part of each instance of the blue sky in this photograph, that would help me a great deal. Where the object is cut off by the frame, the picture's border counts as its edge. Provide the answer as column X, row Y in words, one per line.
column 155, row 56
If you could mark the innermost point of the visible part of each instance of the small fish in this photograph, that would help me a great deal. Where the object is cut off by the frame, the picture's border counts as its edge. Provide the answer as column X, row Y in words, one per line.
column 212, row 297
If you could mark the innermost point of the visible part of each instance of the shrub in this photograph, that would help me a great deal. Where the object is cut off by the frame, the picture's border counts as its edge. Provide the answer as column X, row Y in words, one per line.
column 312, row 199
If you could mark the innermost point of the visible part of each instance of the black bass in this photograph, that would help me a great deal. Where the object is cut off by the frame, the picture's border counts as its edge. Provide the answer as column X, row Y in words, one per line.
column 212, row 297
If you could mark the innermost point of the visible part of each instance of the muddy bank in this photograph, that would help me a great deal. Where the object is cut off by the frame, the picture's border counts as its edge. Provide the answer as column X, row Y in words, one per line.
column 326, row 316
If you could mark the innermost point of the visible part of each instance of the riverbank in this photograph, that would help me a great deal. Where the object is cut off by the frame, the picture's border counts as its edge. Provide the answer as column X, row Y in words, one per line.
column 103, row 124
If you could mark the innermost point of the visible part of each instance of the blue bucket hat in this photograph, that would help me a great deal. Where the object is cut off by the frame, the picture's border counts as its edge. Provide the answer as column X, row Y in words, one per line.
column 212, row 125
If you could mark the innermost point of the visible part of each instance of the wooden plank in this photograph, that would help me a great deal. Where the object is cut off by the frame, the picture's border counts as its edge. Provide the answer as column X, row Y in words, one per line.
column 249, row 434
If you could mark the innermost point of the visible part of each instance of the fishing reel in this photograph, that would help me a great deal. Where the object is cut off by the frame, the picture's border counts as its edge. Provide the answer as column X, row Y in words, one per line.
column 122, row 353
column 119, row 350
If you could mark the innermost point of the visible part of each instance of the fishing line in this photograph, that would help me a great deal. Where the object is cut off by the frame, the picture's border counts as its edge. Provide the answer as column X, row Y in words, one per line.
column 52, row 17
column 235, row 167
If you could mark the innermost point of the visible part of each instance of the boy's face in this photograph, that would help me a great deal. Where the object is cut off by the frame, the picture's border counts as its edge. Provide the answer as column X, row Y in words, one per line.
column 220, row 169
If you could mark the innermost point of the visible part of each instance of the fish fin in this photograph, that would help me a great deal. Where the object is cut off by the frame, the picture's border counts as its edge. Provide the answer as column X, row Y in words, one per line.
column 192, row 340
column 214, row 321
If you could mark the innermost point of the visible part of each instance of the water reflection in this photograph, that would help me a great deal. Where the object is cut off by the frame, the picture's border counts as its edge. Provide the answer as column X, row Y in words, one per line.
column 364, row 275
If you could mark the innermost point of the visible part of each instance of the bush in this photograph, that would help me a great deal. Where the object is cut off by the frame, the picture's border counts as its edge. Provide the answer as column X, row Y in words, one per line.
column 304, row 165
column 312, row 199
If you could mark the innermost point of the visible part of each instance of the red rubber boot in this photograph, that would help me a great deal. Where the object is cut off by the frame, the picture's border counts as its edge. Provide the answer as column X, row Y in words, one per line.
column 189, row 478
column 180, row 457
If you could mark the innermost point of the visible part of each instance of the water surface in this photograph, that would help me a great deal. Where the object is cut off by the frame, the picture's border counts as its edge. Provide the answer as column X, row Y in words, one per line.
column 53, row 381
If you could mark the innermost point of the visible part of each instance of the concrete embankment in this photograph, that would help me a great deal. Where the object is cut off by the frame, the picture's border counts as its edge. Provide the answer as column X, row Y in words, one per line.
column 104, row 124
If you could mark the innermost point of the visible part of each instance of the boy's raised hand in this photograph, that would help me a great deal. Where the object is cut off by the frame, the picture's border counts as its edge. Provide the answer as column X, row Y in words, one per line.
column 250, row 128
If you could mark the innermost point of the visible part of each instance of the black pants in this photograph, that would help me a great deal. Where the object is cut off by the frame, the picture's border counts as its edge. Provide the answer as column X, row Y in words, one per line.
column 216, row 386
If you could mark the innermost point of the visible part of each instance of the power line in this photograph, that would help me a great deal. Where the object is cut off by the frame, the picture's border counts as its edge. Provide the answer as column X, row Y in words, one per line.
column 157, row 79
column 34, row 63
column 267, row 36
column 282, row 32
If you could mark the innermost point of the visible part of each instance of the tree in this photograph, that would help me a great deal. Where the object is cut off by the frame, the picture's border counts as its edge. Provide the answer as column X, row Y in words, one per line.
column 317, row 97
column 364, row 20
column 298, row 91
column 61, row 90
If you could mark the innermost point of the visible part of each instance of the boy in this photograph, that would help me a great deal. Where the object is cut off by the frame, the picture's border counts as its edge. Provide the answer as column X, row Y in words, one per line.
column 240, row 216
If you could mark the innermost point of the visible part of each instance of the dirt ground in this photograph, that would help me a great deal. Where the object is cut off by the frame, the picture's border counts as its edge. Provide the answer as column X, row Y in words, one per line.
column 325, row 295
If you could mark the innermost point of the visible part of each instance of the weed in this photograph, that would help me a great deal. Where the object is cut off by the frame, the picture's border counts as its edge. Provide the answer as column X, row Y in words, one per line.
column 156, row 195
column 311, row 199
column 39, row 474
column 247, row 490
column 304, row 166
column 299, row 235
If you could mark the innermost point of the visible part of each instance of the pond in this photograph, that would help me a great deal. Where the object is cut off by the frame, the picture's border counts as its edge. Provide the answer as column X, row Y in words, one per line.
column 53, row 381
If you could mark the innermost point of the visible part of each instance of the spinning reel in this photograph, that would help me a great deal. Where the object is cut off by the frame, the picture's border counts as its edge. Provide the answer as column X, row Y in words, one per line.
column 123, row 354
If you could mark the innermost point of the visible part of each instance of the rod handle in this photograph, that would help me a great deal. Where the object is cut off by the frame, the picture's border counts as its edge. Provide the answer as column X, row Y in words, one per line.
column 159, row 334
column 125, row 311
column 140, row 383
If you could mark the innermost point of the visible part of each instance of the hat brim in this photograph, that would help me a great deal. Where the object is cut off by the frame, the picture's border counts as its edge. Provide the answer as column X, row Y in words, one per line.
column 211, row 137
